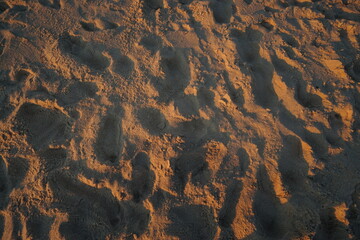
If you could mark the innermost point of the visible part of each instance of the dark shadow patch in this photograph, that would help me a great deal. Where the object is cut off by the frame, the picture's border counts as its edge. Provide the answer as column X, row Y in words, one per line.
column 192, row 222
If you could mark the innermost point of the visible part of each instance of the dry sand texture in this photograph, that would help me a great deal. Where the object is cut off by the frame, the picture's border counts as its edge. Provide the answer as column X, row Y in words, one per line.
column 180, row 119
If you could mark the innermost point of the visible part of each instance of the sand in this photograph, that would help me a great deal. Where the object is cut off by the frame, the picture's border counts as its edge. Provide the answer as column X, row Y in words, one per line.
column 180, row 119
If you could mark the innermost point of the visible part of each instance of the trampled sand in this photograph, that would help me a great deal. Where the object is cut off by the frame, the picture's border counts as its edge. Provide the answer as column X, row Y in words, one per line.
column 180, row 119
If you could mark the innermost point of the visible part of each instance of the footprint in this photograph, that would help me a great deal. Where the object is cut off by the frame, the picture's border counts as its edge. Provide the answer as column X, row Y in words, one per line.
column 109, row 143
column 122, row 64
column 290, row 40
column 97, row 25
column 95, row 213
column 4, row 6
column 353, row 69
column 86, row 52
column 292, row 165
column 306, row 98
column 152, row 120
column 38, row 226
column 152, row 43
column 79, row 91
column 56, row 4
column 53, row 158
column 185, row 1
column 353, row 213
column 195, row 129
column 187, row 105
column 42, row 126
column 143, row 177
column 192, row 222
column 2, row 225
column 330, row 227
column 2, row 45
column 260, row 70
column 154, row 4
column 17, row 170
column 176, row 69
column 266, row 207
column 317, row 141
column 222, row 10
column 191, row 164
column 4, row 184
column 227, row 213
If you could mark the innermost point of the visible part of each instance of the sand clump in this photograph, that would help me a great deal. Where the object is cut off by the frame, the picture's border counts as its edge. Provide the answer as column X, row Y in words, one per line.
column 180, row 119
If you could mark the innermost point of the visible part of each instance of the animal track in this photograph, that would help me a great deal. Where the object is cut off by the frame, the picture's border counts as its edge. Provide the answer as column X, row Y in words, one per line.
column 42, row 126
column 192, row 222
column 109, row 143
column 86, row 52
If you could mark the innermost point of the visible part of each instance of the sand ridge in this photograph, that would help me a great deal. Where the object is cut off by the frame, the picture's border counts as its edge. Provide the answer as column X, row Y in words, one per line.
column 179, row 119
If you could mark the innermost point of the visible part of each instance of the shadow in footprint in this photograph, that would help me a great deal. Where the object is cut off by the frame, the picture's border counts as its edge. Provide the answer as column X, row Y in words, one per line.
column 38, row 225
column 122, row 64
column 152, row 43
column 222, row 10
column 191, row 165
column 187, row 105
column 177, row 73
column 227, row 213
column 192, row 222
column 353, row 214
column 78, row 91
column 266, row 207
column 260, row 70
column 109, row 142
column 292, row 165
column 42, row 126
column 53, row 158
column 330, row 228
column 4, row 184
column 56, row 4
column 97, row 25
column 86, row 52
column 154, row 4
column 95, row 213
column 152, row 120
column 142, row 177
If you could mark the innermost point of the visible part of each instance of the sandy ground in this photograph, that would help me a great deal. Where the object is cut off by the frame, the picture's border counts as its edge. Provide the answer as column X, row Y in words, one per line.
column 180, row 119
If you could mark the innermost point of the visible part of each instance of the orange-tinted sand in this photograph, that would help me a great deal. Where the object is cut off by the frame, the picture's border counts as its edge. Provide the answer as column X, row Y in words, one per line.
column 180, row 119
